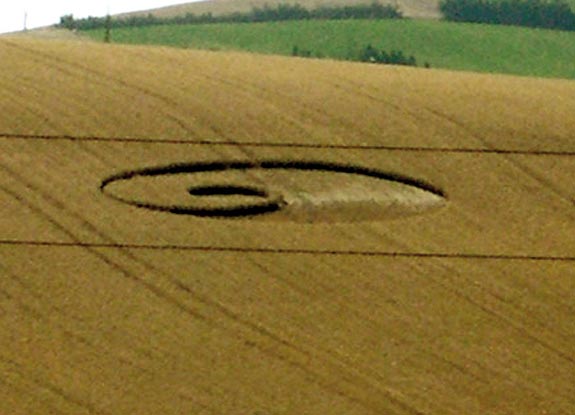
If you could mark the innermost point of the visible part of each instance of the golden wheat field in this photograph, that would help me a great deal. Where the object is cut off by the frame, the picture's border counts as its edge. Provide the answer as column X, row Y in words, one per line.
column 113, row 302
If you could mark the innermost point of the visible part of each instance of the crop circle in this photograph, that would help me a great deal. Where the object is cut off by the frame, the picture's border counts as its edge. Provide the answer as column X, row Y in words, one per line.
column 297, row 190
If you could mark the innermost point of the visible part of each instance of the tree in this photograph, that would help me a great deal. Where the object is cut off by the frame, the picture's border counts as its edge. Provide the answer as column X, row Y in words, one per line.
column 370, row 54
column 67, row 22
column 107, row 36
column 549, row 14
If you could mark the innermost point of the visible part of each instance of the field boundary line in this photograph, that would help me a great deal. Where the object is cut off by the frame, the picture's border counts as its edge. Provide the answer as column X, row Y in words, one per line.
column 135, row 140
column 284, row 251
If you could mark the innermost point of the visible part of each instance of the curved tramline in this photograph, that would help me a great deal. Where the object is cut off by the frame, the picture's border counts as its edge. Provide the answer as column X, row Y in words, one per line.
column 199, row 232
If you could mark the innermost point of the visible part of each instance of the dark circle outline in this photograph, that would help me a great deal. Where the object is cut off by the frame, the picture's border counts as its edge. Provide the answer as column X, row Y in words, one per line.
column 255, row 209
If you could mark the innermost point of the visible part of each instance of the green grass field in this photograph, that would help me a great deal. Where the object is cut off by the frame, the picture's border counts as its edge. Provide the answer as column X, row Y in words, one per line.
column 470, row 47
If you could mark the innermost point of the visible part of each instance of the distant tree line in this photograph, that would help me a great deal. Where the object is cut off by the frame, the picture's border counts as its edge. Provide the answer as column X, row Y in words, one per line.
column 549, row 14
column 395, row 57
column 281, row 12
column 368, row 54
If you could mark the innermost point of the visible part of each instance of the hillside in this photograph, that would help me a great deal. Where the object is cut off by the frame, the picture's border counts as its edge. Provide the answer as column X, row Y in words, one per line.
column 110, row 306
column 426, row 9
column 470, row 47
column 419, row 9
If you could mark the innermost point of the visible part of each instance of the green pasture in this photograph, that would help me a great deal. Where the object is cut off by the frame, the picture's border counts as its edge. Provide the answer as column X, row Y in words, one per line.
column 458, row 46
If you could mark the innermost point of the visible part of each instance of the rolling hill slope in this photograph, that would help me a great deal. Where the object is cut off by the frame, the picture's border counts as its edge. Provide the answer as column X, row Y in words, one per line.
column 111, row 308
column 419, row 9
column 459, row 46
column 428, row 9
